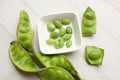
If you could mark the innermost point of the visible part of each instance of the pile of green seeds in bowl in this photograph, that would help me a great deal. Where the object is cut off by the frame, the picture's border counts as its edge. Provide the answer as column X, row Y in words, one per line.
column 61, row 37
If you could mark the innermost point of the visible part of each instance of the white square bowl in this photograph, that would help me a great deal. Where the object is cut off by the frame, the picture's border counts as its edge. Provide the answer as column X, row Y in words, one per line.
column 44, row 34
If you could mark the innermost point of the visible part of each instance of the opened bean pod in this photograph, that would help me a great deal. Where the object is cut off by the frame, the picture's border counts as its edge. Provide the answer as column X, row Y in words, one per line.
column 58, row 61
column 25, row 33
column 89, row 22
column 94, row 55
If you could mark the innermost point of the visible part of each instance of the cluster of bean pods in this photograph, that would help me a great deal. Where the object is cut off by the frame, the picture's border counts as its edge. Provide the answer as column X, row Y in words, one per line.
column 56, row 67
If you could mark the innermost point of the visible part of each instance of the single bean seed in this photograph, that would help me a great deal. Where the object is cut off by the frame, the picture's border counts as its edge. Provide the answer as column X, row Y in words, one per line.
column 57, row 24
column 50, row 41
column 68, row 43
column 50, row 27
column 67, row 37
column 69, row 30
column 54, row 35
column 62, row 32
column 65, row 21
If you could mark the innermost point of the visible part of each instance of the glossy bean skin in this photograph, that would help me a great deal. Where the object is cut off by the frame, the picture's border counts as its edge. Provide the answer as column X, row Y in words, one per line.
column 94, row 55
column 57, row 24
column 51, row 27
column 25, row 33
column 58, row 61
column 62, row 32
column 67, row 37
column 59, row 43
column 69, row 30
column 89, row 22
column 50, row 41
column 54, row 73
column 54, row 35
column 20, row 58
column 66, row 21
column 68, row 43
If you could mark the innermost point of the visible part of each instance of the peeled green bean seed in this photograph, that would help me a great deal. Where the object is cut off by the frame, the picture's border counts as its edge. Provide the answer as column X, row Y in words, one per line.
column 21, row 58
column 69, row 30
column 50, row 27
column 56, row 44
column 66, row 21
column 25, row 33
column 54, row 73
column 68, row 43
column 54, row 35
column 89, row 22
column 62, row 32
column 61, row 42
column 57, row 24
column 67, row 37
column 94, row 55
column 58, row 61
column 50, row 41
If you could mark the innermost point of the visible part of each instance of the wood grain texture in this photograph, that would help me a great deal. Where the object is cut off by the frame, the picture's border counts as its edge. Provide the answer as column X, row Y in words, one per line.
column 107, row 37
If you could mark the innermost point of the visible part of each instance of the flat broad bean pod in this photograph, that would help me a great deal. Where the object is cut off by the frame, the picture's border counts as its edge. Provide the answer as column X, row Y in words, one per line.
column 58, row 61
column 25, row 33
column 89, row 22
column 20, row 58
column 54, row 73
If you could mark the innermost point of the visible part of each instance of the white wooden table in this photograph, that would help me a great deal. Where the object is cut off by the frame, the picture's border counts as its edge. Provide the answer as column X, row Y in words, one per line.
column 107, row 37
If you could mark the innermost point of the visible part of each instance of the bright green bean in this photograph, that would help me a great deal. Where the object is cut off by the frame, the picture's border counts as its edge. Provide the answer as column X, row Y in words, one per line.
column 66, row 21
column 62, row 32
column 54, row 35
column 21, row 58
column 61, row 42
column 50, row 27
column 94, row 55
column 57, row 24
column 69, row 30
column 89, row 22
column 25, row 33
column 67, row 37
column 68, row 43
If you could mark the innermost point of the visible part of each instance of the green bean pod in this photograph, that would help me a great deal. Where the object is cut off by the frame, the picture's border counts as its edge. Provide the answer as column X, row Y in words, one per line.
column 20, row 58
column 89, row 22
column 25, row 33
column 94, row 55
column 58, row 61
column 54, row 73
